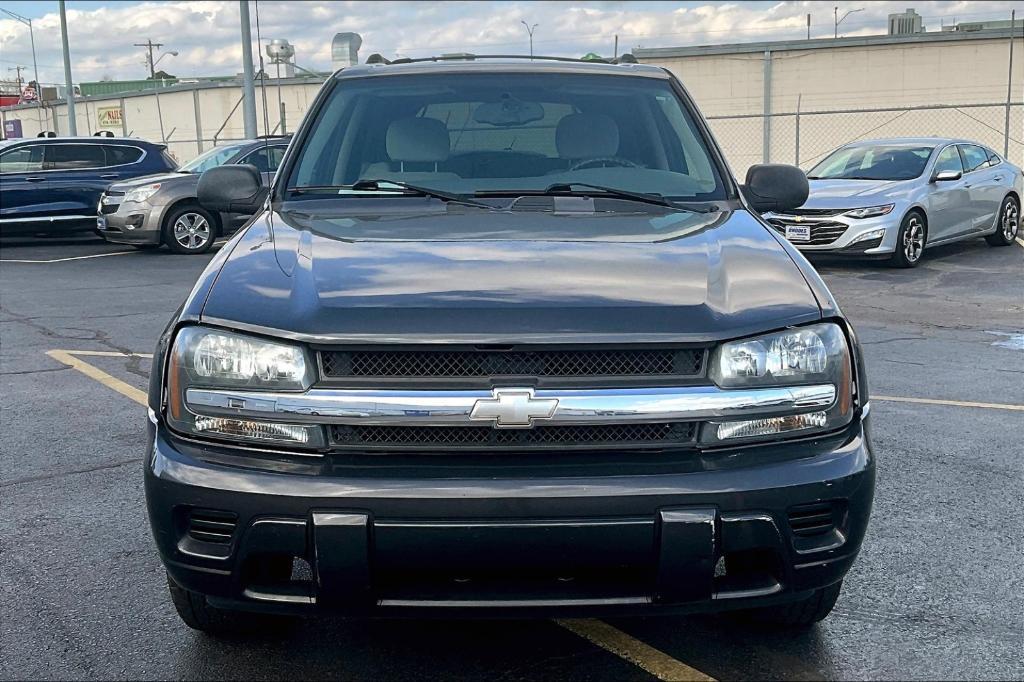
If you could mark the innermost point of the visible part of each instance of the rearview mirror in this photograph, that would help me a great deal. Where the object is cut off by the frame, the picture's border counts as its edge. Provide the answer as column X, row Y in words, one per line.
column 775, row 187
column 947, row 175
column 232, row 189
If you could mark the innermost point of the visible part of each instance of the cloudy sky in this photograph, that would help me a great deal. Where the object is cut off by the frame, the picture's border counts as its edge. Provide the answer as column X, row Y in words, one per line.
column 206, row 33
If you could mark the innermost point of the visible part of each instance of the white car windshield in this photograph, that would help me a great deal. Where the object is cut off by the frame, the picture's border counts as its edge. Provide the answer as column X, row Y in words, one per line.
column 875, row 162
column 475, row 134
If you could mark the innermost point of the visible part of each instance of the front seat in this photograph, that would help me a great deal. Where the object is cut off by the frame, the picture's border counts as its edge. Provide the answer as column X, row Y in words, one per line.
column 586, row 136
column 415, row 146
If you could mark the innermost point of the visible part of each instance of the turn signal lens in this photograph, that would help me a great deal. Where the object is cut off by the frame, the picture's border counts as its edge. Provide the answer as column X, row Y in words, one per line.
column 250, row 430
column 771, row 426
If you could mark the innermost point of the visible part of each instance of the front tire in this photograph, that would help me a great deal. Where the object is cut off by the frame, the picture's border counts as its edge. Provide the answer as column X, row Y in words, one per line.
column 798, row 614
column 910, row 241
column 190, row 230
column 1008, row 223
column 198, row 614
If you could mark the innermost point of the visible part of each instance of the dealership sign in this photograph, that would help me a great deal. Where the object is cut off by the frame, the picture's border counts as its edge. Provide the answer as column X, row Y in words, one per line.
column 109, row 117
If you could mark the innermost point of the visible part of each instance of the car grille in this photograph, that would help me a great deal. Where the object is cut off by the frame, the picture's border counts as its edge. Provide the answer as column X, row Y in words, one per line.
column 468, row 364
column 824, row 232
column 540, row 437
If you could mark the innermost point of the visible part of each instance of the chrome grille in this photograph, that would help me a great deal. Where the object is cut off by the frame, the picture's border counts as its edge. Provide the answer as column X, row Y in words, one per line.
column 561, row 437
column 454, row 364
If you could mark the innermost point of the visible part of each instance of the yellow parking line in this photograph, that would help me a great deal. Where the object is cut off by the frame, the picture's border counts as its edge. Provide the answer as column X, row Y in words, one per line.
column 127, row 390
column 952, row 403
column 657, row 663
column 108, row 353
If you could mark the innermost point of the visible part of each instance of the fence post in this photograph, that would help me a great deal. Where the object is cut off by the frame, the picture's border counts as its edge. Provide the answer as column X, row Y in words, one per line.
column 199, row 121
column 766, row 133
column 796, row 156
column 124, row 119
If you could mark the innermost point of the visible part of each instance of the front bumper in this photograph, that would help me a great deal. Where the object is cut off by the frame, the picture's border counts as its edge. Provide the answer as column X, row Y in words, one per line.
column 130, row 223
column 717, row 536
column 852, row 239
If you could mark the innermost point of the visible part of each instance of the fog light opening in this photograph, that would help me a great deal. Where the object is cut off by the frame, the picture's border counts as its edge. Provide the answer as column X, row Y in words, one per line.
column 771, row 425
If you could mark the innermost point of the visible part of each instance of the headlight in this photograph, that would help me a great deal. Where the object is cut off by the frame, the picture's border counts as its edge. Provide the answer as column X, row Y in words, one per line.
column 208, row 358
column 141, row 194
column 813, row 355
column 870, row 211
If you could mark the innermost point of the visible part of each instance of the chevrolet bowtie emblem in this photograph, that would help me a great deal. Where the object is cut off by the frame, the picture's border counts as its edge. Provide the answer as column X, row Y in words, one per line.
column 513, row 408
column 798, row 219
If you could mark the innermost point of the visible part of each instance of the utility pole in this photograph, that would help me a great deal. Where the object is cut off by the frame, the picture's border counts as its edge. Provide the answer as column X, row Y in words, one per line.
column 808, row 25
column 1009, row 84
column 17, row 76
column 248, row 86
column 530, row 30
column 35, row 65
column 149, row 45
column 72, row 121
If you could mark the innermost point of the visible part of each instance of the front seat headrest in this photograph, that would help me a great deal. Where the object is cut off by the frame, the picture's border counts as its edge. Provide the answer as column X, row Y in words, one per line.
column 586, row 136
column 418, row 139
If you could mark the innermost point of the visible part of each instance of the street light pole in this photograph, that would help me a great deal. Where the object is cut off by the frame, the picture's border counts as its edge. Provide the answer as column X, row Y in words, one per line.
column 530, row 30
column 35, row 65
column 838, row 20
column 72, row 121
column 248, row 84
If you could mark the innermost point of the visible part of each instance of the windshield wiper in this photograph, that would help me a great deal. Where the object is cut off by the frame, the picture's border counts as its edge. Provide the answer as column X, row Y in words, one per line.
column 382, row 185
column 566, row 189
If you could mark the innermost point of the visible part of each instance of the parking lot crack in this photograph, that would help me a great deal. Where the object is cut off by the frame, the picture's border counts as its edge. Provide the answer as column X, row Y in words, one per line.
column 68, row 472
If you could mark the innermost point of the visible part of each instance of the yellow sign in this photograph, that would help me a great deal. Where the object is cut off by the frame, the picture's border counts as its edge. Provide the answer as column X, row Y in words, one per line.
column 109, row 117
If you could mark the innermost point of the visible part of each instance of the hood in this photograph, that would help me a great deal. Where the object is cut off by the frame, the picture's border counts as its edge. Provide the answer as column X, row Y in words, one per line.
column 162, row 178
column 854, row 193
column 635, row 277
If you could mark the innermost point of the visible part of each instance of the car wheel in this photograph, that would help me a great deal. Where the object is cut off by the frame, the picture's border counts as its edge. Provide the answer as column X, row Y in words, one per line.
column 1008, row 225
column 910, row 241
column 189, row 229
column 198, row 614
column 798, row 614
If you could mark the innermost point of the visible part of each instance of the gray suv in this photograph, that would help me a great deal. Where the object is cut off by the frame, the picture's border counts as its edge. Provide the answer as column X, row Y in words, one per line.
column 163, row 209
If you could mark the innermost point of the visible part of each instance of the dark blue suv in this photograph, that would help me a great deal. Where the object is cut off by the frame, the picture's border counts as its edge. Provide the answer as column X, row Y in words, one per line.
column 53, row 185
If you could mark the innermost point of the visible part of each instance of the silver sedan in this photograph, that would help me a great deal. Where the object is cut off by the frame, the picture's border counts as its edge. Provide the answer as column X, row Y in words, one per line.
column 894, row 198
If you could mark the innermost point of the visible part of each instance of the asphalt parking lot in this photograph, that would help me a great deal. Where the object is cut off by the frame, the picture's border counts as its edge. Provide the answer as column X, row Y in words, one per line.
column 936, row 592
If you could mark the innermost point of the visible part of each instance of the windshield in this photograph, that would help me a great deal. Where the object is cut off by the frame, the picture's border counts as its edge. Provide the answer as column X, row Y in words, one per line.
column 480, row 134
column 875, row 162
column 211, row 158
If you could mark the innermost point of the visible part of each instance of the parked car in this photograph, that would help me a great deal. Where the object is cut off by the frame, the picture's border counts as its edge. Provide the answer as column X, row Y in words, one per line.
column 147, row 212
column 894, row 198
column 52, row 185
column 507, row 338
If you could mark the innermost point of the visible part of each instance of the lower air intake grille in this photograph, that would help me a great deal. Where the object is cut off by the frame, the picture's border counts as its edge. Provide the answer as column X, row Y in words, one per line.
column 207, row 525
column 809, row 520
column 442, row 364
column 464, row 437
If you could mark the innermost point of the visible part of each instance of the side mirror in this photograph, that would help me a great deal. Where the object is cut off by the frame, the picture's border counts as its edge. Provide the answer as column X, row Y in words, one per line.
column 232, row 189
column 947, row 175
column 775, row 187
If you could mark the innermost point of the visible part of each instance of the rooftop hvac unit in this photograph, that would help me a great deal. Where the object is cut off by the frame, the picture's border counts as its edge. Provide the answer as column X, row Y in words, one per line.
column 345, row 49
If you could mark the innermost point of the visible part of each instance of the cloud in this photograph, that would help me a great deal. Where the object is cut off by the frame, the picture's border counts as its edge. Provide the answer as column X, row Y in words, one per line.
column 206, row 33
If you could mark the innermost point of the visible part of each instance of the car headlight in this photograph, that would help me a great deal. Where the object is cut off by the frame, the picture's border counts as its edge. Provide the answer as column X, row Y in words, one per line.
column 141, row 194
column 802, row 356
column 870, row 211
column 209, row 358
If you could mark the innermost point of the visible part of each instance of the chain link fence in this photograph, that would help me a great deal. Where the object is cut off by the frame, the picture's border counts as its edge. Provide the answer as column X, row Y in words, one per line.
column 803, row 138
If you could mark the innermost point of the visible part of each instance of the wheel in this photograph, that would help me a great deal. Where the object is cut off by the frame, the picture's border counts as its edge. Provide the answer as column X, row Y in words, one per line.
column 145, row 247
column 910, row 241
column 798, row 614
column 189, row 229
column 198, row 614
column 1008, row 225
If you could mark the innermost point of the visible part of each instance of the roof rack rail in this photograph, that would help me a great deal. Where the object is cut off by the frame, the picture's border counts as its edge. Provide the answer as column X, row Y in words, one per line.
column 270, row 136
column 378, row 59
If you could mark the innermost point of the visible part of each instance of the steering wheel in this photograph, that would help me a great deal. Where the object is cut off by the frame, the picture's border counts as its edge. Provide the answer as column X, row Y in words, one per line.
column 604, row 162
